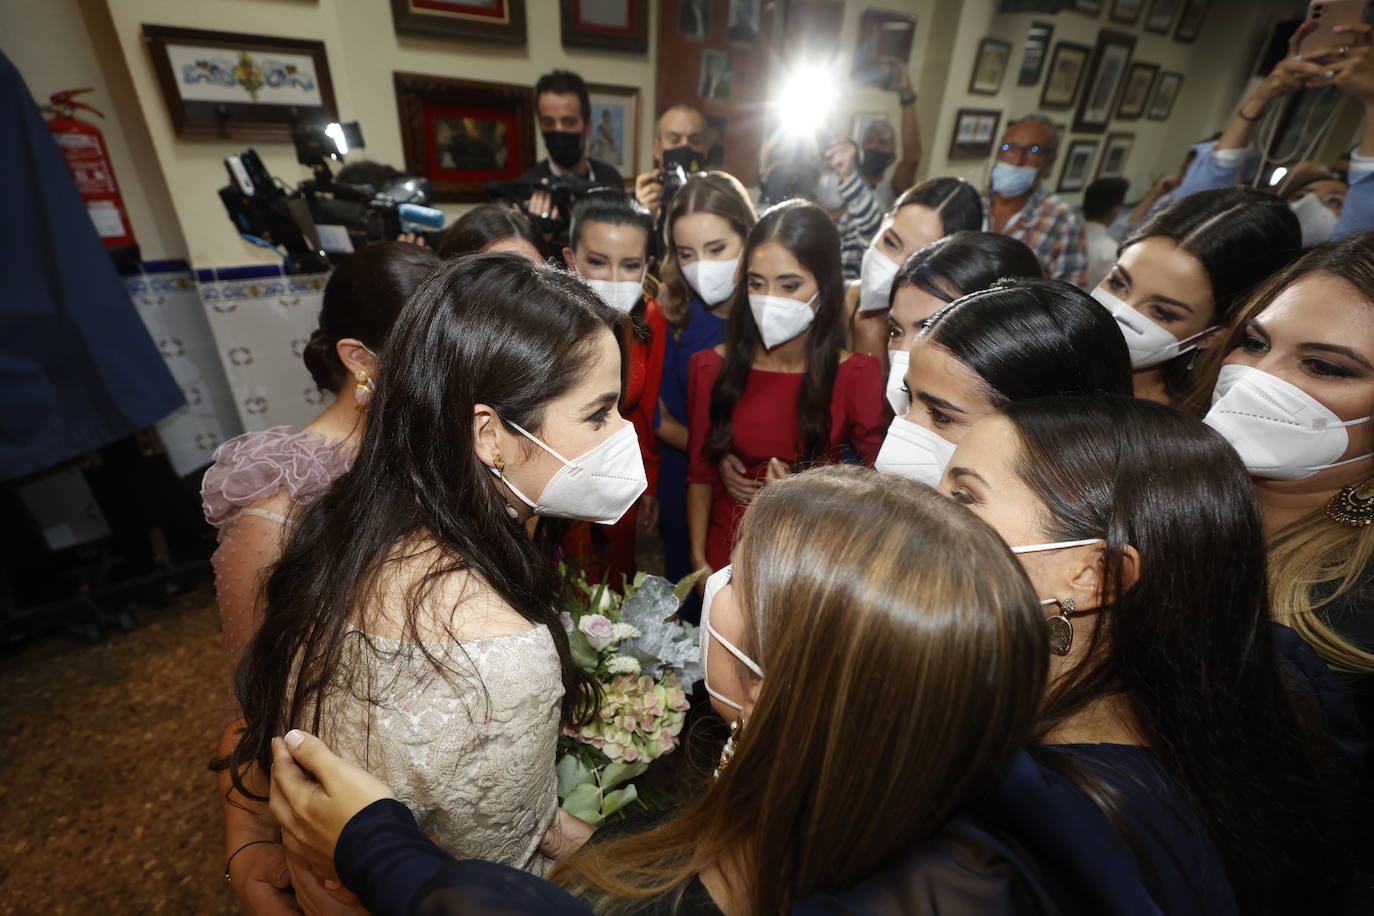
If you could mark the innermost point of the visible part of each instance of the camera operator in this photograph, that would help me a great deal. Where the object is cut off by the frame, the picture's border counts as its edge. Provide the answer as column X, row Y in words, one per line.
column 681, row 138
column 565, row 121
column 880, row 143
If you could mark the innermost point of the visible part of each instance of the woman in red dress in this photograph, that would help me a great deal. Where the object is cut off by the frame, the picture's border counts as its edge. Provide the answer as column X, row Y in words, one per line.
column 781, row 394
column 609, row 234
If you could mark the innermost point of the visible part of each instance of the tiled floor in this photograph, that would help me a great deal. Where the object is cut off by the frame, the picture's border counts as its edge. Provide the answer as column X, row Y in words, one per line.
column 108, row 805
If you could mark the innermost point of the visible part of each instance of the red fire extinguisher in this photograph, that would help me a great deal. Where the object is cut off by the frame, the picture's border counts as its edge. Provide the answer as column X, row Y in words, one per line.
column 83, row 147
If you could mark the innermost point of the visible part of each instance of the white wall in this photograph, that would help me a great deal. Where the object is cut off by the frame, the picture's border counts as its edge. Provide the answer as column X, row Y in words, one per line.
column 364, row 49
column 68, row 44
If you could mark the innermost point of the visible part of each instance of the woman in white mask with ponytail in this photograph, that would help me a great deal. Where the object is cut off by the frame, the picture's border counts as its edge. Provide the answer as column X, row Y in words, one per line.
column 931, row 210
column 1294, row 395
column 781, row 393
column 1180, row 277
column 1017, row 340
column 705, row 226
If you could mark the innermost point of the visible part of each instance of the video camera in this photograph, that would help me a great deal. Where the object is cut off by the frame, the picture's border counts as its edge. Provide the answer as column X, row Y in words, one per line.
column 563, row 190
column 322, row 220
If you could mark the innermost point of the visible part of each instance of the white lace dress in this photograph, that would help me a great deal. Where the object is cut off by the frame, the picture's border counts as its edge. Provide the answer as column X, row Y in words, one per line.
column 472, row 759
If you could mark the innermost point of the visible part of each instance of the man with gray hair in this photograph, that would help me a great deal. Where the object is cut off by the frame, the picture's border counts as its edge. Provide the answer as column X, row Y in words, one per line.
column 1019, row 207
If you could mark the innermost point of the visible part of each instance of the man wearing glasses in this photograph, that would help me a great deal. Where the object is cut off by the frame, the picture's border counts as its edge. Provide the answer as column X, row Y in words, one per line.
column 1017, row 206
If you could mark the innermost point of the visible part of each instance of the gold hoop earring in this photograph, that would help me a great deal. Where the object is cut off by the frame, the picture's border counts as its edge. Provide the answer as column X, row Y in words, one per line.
column 727, row 753
column 1353, row 506
column 362, row 391
column 1060, row 627
column 500, row 467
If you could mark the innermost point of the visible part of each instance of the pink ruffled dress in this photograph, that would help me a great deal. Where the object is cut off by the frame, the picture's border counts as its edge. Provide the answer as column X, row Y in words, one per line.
column 249, row 494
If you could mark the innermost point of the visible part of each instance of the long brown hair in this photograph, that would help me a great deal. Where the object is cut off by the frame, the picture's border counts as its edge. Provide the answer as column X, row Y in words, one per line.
column 1314, row 561
column 903, row 663
column 718, row 193
column 806, row 231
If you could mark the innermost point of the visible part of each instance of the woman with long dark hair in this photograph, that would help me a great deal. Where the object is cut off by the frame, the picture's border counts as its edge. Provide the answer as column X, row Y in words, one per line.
column 261, row 480
column 946, row 269
column 781, row 393
column 931, row 210
column 1019, row 339
column 410, row 617
column 1180, row 278
column 1166, row 702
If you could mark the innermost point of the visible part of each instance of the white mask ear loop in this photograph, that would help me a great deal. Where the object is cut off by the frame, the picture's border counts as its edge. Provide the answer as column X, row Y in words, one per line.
column 1058, row 545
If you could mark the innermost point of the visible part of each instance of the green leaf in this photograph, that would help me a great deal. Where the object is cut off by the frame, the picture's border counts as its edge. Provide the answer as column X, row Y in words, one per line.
column 572, row 773
column 586, row 797
column 620, row 771
column 591, row 817
column 685, row 586
column 618, row 799
column 583, row 654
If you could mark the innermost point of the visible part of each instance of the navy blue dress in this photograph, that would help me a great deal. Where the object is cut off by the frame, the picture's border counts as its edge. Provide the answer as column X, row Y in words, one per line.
column 704, row 331
column 77, row 366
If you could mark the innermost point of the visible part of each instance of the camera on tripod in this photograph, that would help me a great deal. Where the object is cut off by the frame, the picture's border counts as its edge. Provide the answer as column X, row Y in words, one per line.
column 324, row 220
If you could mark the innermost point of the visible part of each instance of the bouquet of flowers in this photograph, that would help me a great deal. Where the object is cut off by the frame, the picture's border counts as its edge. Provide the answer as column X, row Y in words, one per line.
column 646, row 660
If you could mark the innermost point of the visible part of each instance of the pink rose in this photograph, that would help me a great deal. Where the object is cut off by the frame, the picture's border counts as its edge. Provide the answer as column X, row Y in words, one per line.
column 597, row 629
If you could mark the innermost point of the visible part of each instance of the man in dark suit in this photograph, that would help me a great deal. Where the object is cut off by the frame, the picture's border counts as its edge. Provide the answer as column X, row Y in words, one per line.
column 565, row 120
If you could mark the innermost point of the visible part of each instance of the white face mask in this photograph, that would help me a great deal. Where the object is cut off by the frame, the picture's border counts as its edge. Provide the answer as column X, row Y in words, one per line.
column 828, row 194
column 714, row 584
column 1056, row 545
column 1317, row 221
column 915, row 452
column 714, row 281
column 621, row 295
column 599, row 486
column 1148, row 343
column 875, row 280
column 898, row 361
column 781, row 318
column 1280, row 431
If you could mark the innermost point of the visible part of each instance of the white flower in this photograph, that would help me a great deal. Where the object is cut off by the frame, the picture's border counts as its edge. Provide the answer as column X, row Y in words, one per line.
column 621, row 631
column 622, row 664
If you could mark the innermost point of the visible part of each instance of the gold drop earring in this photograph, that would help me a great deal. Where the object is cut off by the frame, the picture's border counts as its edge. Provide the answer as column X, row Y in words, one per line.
column 362, row 391
column 1060, row 627
column 500, row 467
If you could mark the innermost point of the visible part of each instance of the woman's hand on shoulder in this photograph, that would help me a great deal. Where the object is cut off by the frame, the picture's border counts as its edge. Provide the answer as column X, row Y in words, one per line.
column 261, row 880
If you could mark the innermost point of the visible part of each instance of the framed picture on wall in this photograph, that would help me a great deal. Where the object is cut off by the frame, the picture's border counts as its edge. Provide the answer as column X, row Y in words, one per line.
column 715, row 75
column 1162, row 99
column 1114, row 155
column 1078, row 162
column 990, row 66
column 881, row 35
column 609, row 25
column 975, row 129
column 461, row 134
column 742, row 23
column 484, row 20
column 1088, row 7
column 248, row 87
column 1067, row 66
column 1190, row 23
column 1111, row 59
column 1136, row 92
column 1126, row 11
column 1160, row 18
column 615, row 126
column 1036, row 50
column 694, row 18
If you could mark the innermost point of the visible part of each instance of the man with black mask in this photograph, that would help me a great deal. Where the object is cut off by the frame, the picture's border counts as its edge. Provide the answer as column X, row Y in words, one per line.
column 565, row 120
column 879, row 143
column 680, row 143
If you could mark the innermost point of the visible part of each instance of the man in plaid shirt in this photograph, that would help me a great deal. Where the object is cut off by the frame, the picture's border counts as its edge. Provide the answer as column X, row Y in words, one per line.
column 1019, row 207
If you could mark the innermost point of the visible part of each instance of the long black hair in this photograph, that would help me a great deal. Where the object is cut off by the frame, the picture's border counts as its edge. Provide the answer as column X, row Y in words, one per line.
column 966, row 262
column 1189, row 645
column 806, row 231
column 493, row 329
column 954, row 200
column 361, row 300
column 614, row 207
column 483, row 225
column 1033, row 338
column 1240, row 236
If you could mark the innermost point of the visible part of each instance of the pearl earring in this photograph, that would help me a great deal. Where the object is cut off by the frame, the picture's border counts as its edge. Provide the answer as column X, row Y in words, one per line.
column 362, row 391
